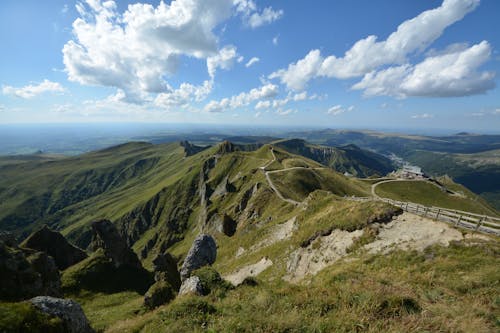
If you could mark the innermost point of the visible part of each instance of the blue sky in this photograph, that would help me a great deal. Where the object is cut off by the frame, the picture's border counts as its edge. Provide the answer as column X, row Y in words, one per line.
column 346, row 63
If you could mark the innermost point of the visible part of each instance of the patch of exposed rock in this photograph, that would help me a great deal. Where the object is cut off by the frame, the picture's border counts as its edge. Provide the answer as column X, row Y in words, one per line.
column 278, row 233
column 55, row 245
column 241, row 274
column 203, row 252
column 70, row 312
column 191, row 285
column 412, row 232
column 320, row 253
column 223, row 188
column 222, row 223
column 106, row 236
column 407, row 232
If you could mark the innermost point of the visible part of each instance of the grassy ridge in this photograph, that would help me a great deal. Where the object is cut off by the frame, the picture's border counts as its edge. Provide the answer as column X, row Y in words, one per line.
column 430, row 195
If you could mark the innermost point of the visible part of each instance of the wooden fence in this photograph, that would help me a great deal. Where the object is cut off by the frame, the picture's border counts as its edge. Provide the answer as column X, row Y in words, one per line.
column 476, row 222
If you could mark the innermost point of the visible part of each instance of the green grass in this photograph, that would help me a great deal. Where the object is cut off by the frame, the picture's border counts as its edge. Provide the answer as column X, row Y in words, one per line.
column 23, row 317
column 97, row 273
column 430, row 195
column 103, row 310
column 442, row 289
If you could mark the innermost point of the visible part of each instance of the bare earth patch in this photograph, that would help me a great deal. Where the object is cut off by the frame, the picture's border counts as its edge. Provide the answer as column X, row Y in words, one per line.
column 406, row 232
column 279, row 232
column 237, row 277
column 322, row 252
column 412, row 232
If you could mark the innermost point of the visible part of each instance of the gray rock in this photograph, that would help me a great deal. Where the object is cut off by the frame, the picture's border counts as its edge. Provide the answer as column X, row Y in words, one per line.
column 25, row 273
column 55, row 245
column 191, row 285
column 45, row 265
column 69, row 311
column 106, row 236
column 203, row 252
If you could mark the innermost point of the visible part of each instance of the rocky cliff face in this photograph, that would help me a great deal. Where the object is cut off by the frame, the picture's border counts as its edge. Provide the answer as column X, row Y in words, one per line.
column 25, row 273
column 55, row 245
column 106, row 237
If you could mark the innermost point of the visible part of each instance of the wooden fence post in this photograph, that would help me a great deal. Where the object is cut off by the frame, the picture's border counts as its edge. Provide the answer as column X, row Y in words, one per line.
column 479, row 222
column 439, row 212
column 458, row 220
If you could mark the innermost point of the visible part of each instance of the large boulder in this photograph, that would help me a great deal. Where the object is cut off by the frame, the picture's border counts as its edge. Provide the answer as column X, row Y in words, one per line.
column 106, row 236
column 26, row 273
column 55, row 245
column 70, row 312
column 203, row 252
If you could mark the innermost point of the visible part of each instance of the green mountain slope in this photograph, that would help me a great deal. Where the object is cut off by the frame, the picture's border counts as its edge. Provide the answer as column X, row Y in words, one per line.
column 348, row 158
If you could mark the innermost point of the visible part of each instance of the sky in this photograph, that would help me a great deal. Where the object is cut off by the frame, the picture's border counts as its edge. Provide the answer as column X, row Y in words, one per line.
column 344, row 63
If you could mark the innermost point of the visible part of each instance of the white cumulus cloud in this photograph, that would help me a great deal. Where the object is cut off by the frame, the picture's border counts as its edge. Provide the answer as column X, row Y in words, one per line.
column 411, row 37
column 339, row 109
column 224, row 59
column 422, row 116
column 266, row 91
column 252, row 61
column 135, row 50
column 31, row 90
column 251, row 15
column 443, row 75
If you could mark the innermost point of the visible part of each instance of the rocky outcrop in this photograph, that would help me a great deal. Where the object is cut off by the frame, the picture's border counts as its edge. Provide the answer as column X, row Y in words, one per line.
column 191, row 285
column 223, row 223
column 167, row 281
column 165, row 268
column 159, row 293
column 226, row 147
column 55, row 245
column 26, row 273
column 203, row 252
column 46, row 267
column 223, row 188
column 70, row 312
column 106, row 236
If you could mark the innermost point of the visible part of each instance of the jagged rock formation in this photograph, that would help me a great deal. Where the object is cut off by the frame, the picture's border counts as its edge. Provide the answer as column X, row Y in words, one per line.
column 223, row 188
column 167, row 281
column 70, row 312
column 191, row 285
column 55, row 245
column 165, row 268
column 226, row 147
column 106, row 236
column 191, row 149
column 26, row 273
column 203, row 252
column 222, row 223
column 46, row 267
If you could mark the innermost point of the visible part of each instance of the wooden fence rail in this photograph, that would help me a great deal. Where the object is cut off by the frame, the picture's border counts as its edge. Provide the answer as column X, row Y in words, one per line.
column 472, row 221
column 481, row 223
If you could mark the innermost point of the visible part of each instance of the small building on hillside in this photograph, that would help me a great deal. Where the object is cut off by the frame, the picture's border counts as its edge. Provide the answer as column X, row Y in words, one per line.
column 412, row 172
